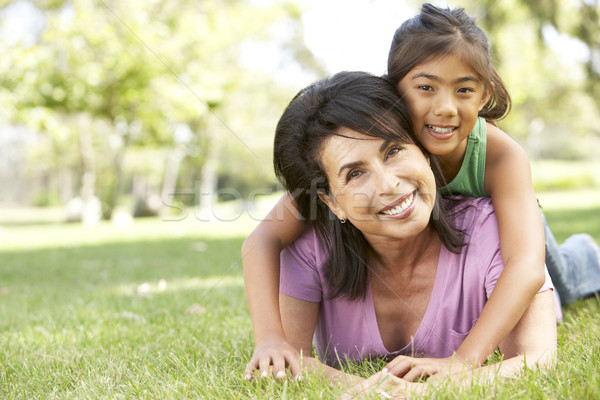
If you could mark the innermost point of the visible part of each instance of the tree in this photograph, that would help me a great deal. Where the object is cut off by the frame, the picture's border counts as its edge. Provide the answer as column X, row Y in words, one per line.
column 553, row 97
column 139, row 67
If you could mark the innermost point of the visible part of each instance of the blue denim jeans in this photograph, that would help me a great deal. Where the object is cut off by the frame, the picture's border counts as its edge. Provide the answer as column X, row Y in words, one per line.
column 573, row 266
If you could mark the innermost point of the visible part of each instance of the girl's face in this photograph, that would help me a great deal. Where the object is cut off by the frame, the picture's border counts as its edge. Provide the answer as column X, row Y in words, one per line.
column 444, row 96
column 383, row 188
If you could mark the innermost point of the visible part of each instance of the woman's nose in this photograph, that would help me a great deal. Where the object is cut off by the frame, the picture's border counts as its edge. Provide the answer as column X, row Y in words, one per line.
column 444, row 104
column 388, row 180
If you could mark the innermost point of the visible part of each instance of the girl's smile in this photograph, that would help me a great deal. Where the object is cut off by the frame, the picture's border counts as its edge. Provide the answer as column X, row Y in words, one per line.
column 445, row 96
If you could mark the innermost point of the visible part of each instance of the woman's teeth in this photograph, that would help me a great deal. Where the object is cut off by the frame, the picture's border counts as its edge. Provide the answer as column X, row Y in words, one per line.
column 437, row 129
column 401, row 207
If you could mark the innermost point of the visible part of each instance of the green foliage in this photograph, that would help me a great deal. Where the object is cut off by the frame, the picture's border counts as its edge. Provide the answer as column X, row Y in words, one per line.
column 132, row 71
column 564, row 175
column 554, row 114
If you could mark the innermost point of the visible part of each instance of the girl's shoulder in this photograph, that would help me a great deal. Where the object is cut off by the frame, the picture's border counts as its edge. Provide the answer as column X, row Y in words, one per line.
column 507, row 164
column 501, row 146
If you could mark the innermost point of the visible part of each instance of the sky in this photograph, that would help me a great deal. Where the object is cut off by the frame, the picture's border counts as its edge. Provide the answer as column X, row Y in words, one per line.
column 353, row 34
column 342, row 35
column 356, row 35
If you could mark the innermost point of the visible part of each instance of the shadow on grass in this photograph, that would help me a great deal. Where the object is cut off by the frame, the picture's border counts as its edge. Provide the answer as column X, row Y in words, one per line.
column 57, row 276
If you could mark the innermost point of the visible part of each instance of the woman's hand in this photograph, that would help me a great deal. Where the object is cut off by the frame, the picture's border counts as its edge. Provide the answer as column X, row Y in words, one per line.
column 410, row 368
column 387, row 386
column 272, row 356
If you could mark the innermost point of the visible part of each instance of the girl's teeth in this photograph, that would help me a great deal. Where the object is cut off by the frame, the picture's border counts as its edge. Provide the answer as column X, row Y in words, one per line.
column 401, row 207
column 440, row 130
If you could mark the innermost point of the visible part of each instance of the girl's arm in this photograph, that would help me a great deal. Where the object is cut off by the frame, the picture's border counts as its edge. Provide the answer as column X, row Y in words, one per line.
column 260, row 259
column 299, row 319
column 508, row 183
column 531, row 344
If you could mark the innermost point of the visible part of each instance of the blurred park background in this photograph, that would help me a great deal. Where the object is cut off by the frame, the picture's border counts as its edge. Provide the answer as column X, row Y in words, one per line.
column 112, row 110
column 139, row 107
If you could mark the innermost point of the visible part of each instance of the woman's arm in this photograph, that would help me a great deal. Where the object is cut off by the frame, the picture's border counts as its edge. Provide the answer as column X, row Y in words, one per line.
column 299, row 318
column 508, row 182
column 260, row 258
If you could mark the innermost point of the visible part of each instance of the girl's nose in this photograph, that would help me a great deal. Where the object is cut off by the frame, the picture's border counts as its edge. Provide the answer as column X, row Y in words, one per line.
column 444, row 105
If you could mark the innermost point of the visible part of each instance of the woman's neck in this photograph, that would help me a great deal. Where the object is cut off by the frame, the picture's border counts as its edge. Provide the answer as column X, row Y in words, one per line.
column 403, row 255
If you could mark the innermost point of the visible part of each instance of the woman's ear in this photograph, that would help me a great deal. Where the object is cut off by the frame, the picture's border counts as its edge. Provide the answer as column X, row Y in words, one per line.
column 331, row 203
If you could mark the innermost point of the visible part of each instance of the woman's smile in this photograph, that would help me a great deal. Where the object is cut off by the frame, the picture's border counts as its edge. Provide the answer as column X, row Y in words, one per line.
column 401, row 208
column 381, row 187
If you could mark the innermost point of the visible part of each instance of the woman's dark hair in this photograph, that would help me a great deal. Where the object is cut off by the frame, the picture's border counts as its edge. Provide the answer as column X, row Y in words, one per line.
column 363, row 103
column 437, row 32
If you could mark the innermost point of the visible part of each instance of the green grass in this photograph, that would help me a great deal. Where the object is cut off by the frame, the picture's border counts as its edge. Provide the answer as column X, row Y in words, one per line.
column 85, row 314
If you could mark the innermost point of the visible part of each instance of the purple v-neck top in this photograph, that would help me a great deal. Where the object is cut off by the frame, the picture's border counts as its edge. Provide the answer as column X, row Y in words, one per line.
column 463, row 283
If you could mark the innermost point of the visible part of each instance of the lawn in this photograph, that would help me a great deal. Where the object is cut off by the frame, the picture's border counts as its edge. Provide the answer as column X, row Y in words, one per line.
column 157, row 310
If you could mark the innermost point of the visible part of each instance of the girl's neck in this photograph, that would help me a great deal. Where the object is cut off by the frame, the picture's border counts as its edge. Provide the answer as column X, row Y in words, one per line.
column 452, row 162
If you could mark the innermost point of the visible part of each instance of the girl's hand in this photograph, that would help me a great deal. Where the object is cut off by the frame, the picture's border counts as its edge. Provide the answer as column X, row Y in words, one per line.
column 272, row 356
column 410, row 368
column 386, row 386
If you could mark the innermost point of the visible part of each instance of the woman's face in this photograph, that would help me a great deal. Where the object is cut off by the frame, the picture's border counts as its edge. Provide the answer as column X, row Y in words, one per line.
column 383, row 188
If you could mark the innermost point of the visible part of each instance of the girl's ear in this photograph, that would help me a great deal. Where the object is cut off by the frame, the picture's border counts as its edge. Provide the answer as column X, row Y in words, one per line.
column 331, row 203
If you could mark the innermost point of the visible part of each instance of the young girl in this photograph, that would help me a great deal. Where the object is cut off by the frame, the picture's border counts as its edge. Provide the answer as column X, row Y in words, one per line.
column 440, row 61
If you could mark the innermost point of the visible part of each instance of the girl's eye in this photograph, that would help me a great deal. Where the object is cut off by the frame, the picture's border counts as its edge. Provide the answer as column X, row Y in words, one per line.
column 352, row 175
column 426, row 88
column 465, row 90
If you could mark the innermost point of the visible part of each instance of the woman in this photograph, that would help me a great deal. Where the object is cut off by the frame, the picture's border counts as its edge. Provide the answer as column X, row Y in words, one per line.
column 390, row 269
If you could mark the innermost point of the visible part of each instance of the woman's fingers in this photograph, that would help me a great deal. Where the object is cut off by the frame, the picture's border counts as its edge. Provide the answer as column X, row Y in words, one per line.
column 409, row 368
column 417, row 372
column 273, row 365
column 399, row 366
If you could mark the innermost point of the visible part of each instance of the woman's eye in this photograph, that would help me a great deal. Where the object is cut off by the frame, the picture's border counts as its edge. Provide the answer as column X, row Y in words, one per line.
column 352, row 175
column 393, row 151
column 465, row 90
column 426, row 88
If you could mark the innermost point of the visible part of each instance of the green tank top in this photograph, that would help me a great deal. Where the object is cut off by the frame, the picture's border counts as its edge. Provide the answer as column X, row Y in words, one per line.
column 470, row 177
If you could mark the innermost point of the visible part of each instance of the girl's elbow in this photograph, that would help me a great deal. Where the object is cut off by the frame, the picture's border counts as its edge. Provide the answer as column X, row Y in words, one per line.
column 249, row 244
column 539, row 278
column 535, row 278
column 260, row 242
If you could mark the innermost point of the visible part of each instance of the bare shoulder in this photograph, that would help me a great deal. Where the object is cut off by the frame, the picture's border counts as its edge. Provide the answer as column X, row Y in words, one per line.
column 501, row 146
column 506, row 160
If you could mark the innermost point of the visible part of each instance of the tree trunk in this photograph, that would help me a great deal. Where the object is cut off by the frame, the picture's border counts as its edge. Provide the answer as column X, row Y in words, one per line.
column 91, row 210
